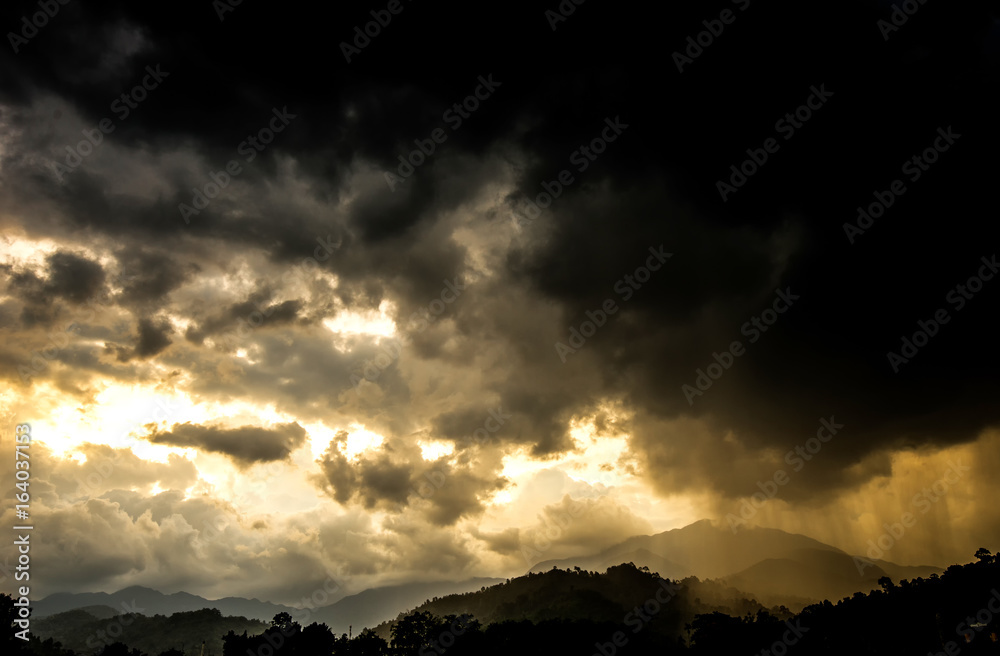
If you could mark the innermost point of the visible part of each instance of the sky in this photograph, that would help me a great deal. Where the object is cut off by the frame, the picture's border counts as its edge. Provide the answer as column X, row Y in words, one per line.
column 282, row 299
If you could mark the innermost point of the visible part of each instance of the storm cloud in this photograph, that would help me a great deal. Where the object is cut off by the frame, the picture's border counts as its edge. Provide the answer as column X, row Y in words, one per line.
column 412, row 358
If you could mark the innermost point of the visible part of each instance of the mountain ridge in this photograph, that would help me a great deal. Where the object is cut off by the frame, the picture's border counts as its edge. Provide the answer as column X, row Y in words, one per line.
column 366, row 608
column 773, row 566
column 745, row 559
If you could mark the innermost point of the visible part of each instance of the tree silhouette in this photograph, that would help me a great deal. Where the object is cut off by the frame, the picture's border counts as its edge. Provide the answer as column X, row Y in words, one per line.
column 413, row 632
column 283, row 622
column 368, row 643
column 119, row 649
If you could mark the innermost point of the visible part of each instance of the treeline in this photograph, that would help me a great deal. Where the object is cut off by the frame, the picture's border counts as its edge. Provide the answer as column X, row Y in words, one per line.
column 82, row 632
column 630, row 610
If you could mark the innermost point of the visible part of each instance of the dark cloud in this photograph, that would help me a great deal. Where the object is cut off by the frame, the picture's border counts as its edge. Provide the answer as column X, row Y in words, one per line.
column 374, row 481
column 72, row 277
column 152, row 339
column 246, row 445
column 258, row 245
column 441, row 491
column 67, row 276
column 151, row 275
column 256, row 312
column 451, row 492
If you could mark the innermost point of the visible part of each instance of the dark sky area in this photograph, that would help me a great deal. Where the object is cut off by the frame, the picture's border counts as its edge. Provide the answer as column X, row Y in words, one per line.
column 838, row 98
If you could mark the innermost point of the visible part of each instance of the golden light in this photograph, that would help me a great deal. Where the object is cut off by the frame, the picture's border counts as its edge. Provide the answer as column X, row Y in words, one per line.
column 367, row 322
column 20, row 251
column 359, row 440
column 436, row 449
column 501, row 498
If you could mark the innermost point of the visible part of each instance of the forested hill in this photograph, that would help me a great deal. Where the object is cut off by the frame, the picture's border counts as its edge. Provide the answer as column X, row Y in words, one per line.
column 625, row 610
column 956, row 611
column 608, row 597
column 89, row 631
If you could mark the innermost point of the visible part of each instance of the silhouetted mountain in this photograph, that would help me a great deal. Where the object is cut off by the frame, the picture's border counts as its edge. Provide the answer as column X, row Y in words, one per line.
column 775, row 566
column 366, row 608
column 137, row 599
column 100, row 612
column 626, row 609
column 597, row 597
column 824, row 574
column 85, row 633
column 899, row 572
column 951, row 613
column 376, row 605
column 602, row 561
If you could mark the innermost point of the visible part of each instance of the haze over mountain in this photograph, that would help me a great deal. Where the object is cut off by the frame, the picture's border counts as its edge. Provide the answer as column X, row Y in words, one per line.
column 562, row 611
column 139, row 599
column 91, row 630
column 773, row 565
column 377, row 296
column 769, row 565
column 358, row 305
column 366, row 608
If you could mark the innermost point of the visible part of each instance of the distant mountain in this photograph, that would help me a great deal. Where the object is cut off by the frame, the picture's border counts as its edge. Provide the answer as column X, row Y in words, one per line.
column 89, row 631
column 100, row 612
column 812, row 573
column 137, row 599
column 775, row 566
column 376, row 605
column 575, row 612
column 899, row 572
column 609, row 597
column 602, row 561
column 364, row 609
column 826, row 574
